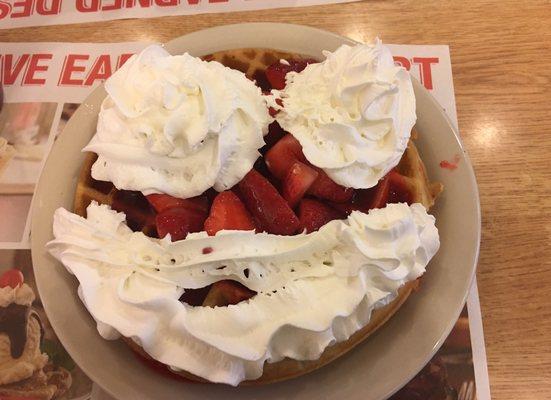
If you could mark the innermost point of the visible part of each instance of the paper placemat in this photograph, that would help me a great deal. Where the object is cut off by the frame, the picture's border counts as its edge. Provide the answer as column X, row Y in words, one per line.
column 20, row 13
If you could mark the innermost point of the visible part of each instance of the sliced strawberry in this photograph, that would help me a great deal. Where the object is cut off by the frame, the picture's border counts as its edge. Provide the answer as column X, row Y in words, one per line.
column 367, row 199
column 228, row 212
column 283, row 155
column 345, row 208
column 161, row 202
column 210, row 195
column 391, row 189
column 273, row 112
column 261, row 81
column 399, row 191
column 12, row 278
column 266, row 204
column 275, row 134
column 380, row 193
column 314, row 214
column 195, row 297
column 179, row 222
column 297, row 181
column 226, row 292
column 325, row 188
column 277, row 71
column 139, row 214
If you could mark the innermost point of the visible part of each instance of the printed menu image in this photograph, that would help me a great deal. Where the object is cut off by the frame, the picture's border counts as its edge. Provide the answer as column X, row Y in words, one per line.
column 24, row 132
column 24, row 141
column 33, row 363
column 450, row 373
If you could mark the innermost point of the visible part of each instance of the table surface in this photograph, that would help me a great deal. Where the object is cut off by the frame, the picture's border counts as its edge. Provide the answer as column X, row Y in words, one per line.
column 501, row 58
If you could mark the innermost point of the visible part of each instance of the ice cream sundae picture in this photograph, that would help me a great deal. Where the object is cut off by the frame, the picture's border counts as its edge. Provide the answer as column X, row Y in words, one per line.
column 26, row 371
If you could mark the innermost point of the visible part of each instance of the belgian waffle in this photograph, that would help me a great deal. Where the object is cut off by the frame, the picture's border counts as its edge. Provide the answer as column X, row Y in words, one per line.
column 253, row 62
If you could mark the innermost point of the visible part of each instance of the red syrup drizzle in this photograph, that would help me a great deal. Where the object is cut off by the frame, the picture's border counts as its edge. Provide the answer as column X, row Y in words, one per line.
column 451, row 165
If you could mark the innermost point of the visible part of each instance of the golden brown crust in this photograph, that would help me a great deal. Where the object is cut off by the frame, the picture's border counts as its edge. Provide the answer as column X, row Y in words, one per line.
column 288, row 368
column 411, row 167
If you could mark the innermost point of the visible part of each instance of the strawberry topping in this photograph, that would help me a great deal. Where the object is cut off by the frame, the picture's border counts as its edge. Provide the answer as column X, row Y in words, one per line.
column 314, row 214
column 139, row 214
column 399, row 191
column 392, row 188
column 277, row 72
column 161, row 202
column 286, row 152
column 228, row 212
column 283, row 155
column 325, row 188
column 179, row 221
column 298, row 180
column 275, row 133
column 375, row 197
column 228, row 292
column 266, row 205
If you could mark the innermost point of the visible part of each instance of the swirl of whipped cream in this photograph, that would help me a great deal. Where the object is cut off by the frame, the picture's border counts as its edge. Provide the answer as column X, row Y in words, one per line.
column 352, row 113
column 312, row 290
column 177, row 125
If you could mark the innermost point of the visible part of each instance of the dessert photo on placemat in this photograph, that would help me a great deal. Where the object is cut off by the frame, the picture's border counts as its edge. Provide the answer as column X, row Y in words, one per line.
column 450, row 373
column 24, row 133
column 33, row 363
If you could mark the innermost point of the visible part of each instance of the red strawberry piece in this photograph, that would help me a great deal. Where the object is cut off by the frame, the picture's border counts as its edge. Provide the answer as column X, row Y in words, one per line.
column 262, row 168
column 210, row 195
column 375, row 197
column 273, row 112
column 261, row 81
column 399, row 191
column 267, row 206
column 345, row 208
column 283, row 155
column 228, row 212
column 275, row 134
column 314, row 214
column 277, row 71
column 195, row 297
column 297, row 181
column 161, row 202
column 392, row 188
column 380, row 197
column 179, row 221
column 139, row 214
column 228, row 292
column 325, row 188
column 275, row 74
column 12, row 278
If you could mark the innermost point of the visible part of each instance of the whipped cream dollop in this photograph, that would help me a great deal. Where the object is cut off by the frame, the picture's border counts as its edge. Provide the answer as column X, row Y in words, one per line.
column 312, row 289
column 22, row 295
column 177, row 125
column 352, row 113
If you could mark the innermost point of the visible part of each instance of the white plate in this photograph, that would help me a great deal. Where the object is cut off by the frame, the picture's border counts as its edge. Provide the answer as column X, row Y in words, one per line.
column 376, row 368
